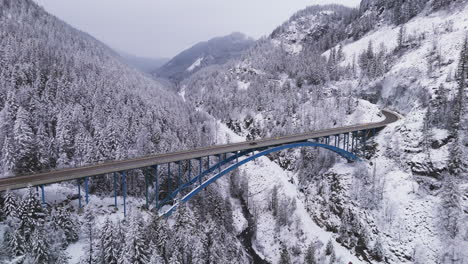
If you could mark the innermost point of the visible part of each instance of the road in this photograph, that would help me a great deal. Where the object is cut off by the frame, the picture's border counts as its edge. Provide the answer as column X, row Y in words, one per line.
column 18, row 182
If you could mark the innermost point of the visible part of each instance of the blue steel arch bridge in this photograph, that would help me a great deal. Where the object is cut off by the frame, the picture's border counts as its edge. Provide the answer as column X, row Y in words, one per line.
column 176, row 177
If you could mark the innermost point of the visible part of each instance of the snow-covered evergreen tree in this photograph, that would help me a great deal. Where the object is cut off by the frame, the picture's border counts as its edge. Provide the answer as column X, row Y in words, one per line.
column 16, row 243
column 450, row 206
column 8, row 157
column 40, row 248
column 89, row 230
column 284, row 257
column 329, row 248
column 378, row 251
column 310, row 257
column 31, row 213
column 109, row 250
column 136, row 248
column 63, row 220
column 10, row 205
column 159, row 234
column 26, row 155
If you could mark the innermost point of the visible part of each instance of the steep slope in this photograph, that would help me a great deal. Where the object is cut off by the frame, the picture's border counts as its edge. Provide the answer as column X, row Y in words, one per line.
column 406, row 203
column 216, row 51
column 67, row 100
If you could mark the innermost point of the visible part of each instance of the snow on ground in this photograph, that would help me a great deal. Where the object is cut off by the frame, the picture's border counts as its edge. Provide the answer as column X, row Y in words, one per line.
column 240, row 223
column 196, row 64
column 182, row 92
column 365, row 113
column 408, row 217
column 433, row 26
column 242, row 85
column 76, row 251
column 263, row 175
column 103, row 207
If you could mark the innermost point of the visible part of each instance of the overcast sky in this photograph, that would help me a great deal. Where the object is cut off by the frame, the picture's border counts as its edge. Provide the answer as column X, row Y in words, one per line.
column 163, row 28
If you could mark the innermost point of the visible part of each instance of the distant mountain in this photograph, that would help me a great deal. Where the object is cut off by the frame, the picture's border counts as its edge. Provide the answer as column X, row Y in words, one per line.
column 146, row 65
column 215, row 51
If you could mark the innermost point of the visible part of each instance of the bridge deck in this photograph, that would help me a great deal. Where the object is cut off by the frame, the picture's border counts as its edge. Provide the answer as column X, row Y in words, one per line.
column 18, row 182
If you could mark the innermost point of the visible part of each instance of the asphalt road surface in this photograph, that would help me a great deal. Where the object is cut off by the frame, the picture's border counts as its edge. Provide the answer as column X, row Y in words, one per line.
column 18, row 182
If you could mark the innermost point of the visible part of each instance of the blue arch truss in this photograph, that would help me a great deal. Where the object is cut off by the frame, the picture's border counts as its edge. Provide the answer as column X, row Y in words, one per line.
column 203, row 184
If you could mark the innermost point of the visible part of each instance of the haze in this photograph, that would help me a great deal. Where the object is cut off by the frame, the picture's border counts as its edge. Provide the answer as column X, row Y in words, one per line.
column 163, row 28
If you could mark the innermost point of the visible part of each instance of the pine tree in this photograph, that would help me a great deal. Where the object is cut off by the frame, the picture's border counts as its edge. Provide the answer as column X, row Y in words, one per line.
column 332, row 257
column 455, row 165
column 65, row 138
column 155, row 257
column 27, row 159
column 228, row 218
column 438, row 4
column 63, row 257
column 40, row 248
column 274, row 200
column 378, row 251
column 10, row 205
column 451, row 206
column 17, row 243
column 159, row 235
column 339, row 54
column 174, row 260
column 284, row 257
column 329, row 249
column 63, row 220
column 310, row 255
column 89, row 229
column 136, row 250
column 8, row 156
column 401, row 37
column 109, row 252
column 31, row 214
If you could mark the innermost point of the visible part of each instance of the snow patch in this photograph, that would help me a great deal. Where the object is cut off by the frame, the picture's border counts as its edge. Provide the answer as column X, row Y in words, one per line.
column 242, row 85
column 182, row 92
column 196, row 64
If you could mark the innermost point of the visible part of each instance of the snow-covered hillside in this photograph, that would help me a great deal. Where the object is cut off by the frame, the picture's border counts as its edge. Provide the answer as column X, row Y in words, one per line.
column 327, row 66
column 216, row 51
column 403, row 204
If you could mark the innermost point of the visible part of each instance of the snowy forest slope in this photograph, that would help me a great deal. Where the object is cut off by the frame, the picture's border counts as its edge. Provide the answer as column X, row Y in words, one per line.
column 216, row 51
column 66, row 100
column 313, row 72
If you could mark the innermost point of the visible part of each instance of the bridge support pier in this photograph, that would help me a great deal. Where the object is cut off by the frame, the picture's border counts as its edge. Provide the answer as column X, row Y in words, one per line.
column 124, row 185
column 365, row 143
column 115, row 190
column 189, row 170
column 79, row 193
column 87, row 189
column 146, row 191
column 200, row 167
column 43, row 196
column 156, row 186
column 179, row 175
column 169, row 178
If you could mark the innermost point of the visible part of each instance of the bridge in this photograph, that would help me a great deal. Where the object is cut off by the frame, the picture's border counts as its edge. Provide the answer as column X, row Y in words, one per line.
column 170, row 174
